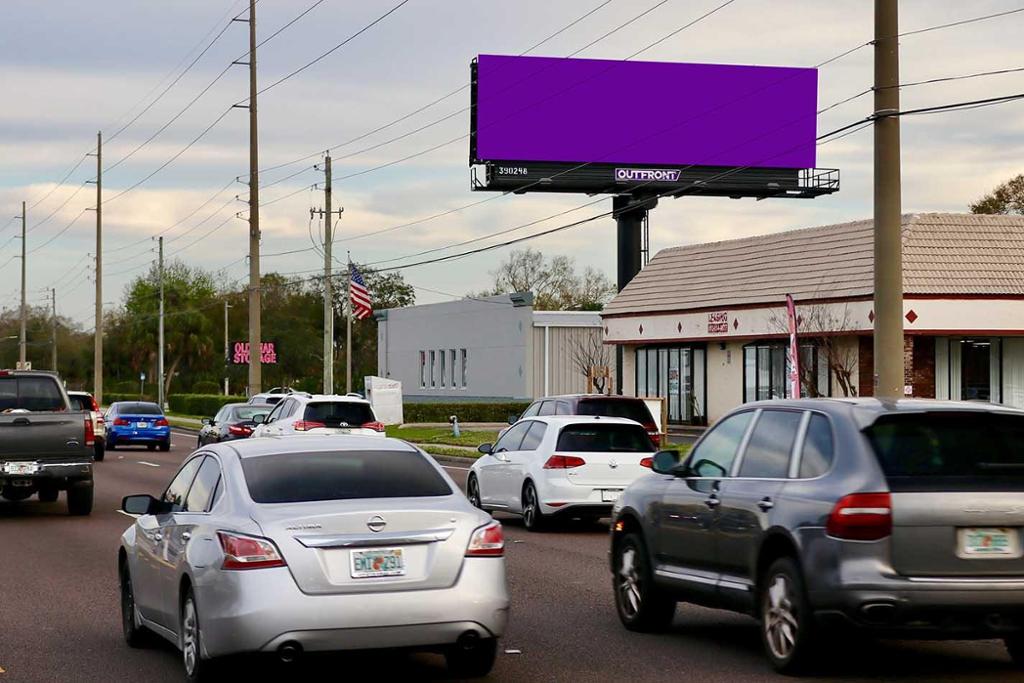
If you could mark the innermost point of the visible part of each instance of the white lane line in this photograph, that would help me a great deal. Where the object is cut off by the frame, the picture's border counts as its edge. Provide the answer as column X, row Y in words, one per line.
column 453, row 467
column 150, row 464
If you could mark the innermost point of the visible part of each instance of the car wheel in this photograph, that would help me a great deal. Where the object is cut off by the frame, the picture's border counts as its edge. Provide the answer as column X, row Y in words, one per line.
column 787, row 625
column 111, row 446
column 1015, row 648
column 165, row 446
column 80, row 498
column 135, row 635
column 641, row 605
column 48, row 494
column 473, row 491
column 196, row 668
column 472, row 661
column 99, row 452
column 533, row 517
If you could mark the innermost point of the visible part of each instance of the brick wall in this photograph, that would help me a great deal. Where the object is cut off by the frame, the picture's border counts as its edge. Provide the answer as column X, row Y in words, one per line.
column 923, row 359
column 866, row 366
column 918, row 365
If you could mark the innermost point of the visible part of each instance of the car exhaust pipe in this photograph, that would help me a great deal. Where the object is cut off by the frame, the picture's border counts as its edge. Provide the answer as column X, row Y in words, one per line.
column 289, row 652
column 878, row 612
column 469, row 640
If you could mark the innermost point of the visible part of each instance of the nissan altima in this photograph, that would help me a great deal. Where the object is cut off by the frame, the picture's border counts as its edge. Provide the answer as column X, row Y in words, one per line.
column 313, row 544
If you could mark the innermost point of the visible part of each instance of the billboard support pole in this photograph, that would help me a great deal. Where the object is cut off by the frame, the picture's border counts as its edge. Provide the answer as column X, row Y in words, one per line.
column 630, row 215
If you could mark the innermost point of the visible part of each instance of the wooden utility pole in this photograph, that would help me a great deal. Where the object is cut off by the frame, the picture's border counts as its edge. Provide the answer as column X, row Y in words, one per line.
column 161, row 399
column 24, row 307
column 97, row 357
column 255, row 331
column 227, row 351
column 888, row 341
column 53, row 300
column 348, row 327
column 328, row 214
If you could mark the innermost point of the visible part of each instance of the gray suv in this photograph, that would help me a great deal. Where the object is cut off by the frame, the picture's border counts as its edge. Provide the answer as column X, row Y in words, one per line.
column 900, row 518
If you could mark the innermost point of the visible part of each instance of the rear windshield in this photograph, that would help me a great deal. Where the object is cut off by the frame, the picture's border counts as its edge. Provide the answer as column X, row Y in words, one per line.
column 37, row 394
column 139, row 409
column 272, row 400
column 616, row 407
column 243, row 413
column 610, row 438
column 342, row 475
column 338, row 413
column 80, row 402
column 957, row 451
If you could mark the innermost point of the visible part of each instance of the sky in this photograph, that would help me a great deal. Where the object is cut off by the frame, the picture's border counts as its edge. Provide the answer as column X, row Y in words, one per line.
column 70, row 69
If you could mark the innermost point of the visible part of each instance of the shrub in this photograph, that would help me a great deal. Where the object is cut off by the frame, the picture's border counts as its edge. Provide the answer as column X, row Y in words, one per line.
column 466, row 412
column 114, row 397
column 205, row 387
column 204, row 405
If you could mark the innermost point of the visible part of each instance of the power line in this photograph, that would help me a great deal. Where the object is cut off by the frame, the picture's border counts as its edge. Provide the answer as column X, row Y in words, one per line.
column 59, row 233
column 57, row 210
column 962, row 22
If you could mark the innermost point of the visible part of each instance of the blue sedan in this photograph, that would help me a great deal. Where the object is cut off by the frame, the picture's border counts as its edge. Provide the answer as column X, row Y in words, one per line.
column 135, row 422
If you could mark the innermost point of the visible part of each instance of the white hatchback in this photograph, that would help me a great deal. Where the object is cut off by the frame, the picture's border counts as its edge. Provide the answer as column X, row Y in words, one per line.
column 572, row 466
column 321, row 414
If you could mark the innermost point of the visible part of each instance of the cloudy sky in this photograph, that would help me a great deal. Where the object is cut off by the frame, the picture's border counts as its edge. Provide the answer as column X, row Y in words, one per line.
column 69, row 69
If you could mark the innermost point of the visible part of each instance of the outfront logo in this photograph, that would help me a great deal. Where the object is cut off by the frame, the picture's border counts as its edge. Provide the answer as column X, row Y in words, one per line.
column 646, row 175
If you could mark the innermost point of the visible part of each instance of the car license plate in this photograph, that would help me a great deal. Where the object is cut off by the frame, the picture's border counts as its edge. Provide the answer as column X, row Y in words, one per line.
column 988, row 542
column 141, row 425
column 610, row 495
column 20, row 468
column 382, row 562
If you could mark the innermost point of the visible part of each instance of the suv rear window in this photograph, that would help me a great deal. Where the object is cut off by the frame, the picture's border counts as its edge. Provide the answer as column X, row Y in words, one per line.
column 604, row 438
column 37, row 394
column 341, row 475
column 338, row 413
column 139, row 409
column 956, row 451
column 616, row 407
column 80, row 402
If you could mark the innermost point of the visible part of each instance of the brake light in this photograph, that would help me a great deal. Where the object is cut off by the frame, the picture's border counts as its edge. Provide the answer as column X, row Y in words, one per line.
column 563, row 462
column 647, row 462
column 120, row 422
column 861, row 517
column 162, row 422
column 248, row 552
column 90, row 432
column 655, row 435
column 239, row 430
column 95, row 405
column 375, row 426
column 306, row 425
column 487, row 541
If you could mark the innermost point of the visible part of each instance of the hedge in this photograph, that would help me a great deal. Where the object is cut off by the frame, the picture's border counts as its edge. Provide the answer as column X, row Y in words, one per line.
column 204, row 405
column 114, row 397
column 205, row 387
column 466, row 412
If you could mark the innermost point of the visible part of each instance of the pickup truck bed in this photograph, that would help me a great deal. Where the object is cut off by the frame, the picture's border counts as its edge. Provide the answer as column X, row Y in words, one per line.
column 45, row 446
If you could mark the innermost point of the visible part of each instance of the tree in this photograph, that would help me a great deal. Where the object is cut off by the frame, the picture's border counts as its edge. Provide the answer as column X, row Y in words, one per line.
column 1006, row 198
column 555, row 284
column 589, row 353
column 824, row 328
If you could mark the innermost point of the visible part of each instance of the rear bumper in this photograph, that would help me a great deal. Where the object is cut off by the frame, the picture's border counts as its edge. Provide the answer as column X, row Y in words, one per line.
column 52, row 474
column 257, row 611
column 580, row 499
column 122, row 435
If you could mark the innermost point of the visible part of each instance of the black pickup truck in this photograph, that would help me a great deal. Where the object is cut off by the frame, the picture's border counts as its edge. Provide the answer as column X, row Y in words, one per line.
column 46, row 446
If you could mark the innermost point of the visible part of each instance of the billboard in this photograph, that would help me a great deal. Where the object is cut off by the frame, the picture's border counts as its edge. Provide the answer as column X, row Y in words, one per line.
column 240, row 353
column 637, row 114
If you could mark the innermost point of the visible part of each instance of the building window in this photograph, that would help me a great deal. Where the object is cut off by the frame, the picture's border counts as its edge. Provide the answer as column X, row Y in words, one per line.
column 452, row 354
column 677, row 375
column 423, row 369
column 766, row 371
column 444, row 375
column 433, row 375
column 465, row 367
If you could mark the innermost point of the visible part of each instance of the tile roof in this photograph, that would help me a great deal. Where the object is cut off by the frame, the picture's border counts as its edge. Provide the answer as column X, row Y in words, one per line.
column 943, row 253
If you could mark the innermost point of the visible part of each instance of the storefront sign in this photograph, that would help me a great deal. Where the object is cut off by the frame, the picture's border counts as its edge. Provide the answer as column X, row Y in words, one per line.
column 718, row 322
column 240, row 353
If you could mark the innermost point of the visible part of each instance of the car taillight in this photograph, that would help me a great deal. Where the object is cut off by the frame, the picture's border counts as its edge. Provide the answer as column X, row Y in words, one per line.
column 95, row 406
column 861, row 517
column 162, row 422
column 248, row 552
column 90, row 432
column 655, row 435
column 375, row 426
column 647, row 462
column 487, row 541
column 120, row 422
column 239, row 430
column 306, row 425
column 563, row 462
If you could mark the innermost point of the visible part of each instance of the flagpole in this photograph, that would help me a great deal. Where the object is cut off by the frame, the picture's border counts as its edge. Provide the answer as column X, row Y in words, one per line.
column 348, row 329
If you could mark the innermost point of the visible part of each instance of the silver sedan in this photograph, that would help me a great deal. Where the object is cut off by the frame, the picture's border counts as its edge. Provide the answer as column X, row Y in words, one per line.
column 311, row 544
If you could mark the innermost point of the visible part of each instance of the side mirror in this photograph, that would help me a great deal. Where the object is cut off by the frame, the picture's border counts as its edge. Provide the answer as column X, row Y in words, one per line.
column 665, row 462
column 512, row 419
column 485, row 448
column 143, row 504
column 207, row 421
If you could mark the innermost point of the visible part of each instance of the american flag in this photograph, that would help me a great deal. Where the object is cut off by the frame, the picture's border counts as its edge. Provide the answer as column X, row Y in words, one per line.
column 359, row 295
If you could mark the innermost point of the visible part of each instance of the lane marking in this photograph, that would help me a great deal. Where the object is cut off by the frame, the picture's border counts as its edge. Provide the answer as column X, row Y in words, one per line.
column 150, row 464
column 453, row 467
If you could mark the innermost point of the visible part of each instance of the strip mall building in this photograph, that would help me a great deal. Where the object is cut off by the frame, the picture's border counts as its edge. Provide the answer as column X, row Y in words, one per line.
column 704, row 326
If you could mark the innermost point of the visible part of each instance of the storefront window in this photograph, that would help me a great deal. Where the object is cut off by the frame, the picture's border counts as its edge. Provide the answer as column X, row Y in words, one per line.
column 766, row 370
column 677, row 375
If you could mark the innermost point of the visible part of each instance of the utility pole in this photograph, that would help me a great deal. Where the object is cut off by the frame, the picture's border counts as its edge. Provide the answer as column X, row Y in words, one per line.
column 255, row 333
column 888, row 341
column 53, row 300
column 161, row 399
column 327, row 213
column 348, row 326
column 226, row 350
column 97, row 358
column 24, row 308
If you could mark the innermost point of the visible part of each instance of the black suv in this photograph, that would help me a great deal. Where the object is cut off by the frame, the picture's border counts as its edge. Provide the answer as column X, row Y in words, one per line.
column 628, row 407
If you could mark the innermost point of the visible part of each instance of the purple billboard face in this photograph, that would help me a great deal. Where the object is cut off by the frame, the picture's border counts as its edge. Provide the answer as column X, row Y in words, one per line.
column 604, row 111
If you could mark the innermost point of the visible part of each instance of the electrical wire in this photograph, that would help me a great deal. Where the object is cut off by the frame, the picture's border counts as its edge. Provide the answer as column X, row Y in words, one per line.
column 59, row 233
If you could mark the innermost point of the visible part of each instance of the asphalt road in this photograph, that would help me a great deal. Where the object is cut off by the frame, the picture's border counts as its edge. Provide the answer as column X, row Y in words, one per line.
column 59, row 611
